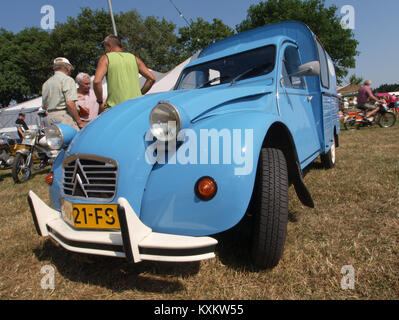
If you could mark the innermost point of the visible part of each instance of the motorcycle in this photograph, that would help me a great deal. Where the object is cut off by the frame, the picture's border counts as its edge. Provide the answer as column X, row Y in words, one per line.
column 37, row 147
column 384, row 117
column 7, row 152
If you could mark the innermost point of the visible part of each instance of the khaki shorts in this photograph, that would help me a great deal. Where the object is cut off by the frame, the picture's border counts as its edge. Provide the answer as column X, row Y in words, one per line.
column 366, row 107
column 62, row 116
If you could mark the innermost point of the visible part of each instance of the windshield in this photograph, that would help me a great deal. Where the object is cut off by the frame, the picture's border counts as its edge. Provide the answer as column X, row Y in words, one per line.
column 243, row 65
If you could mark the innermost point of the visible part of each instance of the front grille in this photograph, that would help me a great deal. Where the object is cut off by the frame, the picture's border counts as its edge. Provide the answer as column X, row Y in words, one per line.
column 90, row 177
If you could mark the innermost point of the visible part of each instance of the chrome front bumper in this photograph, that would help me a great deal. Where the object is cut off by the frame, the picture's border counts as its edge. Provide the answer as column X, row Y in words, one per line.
column 135, row 240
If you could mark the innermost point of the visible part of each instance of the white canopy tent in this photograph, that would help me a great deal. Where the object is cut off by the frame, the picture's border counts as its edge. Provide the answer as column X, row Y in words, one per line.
column 8, row 116
column 169, row 80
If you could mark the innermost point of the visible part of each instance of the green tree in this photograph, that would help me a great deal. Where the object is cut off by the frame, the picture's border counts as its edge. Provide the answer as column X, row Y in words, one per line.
column 201, row 34
column 323, row 21
column 387, row 88
column 152, row 39
column 356, row 80
column 79, row 39
column 25, row 63
column 27, row 57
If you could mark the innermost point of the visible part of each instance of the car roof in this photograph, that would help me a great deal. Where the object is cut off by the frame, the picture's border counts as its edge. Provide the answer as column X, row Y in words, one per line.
column 262, row 36
column 237, row 48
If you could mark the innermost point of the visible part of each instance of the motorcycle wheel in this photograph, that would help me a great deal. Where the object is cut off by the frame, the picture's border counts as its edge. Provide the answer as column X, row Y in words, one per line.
column 20, row 172
column 386, row 120
column 351, row 124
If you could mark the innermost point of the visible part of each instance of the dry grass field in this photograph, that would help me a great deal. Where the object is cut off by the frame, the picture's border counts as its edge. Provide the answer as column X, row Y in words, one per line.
column 355, row 222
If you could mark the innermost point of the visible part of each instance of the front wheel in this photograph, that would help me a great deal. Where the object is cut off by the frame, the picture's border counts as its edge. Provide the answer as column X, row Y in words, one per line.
column 351, row 124
column 386, row 120
column 271, row 208
column 21, row 170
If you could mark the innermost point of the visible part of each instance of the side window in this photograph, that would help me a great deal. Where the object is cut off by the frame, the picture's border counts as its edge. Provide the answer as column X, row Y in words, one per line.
column 291, row 62
column 189, row 81
column 325, row 81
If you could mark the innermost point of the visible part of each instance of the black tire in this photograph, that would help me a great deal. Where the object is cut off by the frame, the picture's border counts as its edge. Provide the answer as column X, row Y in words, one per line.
column 329, row 159
column 351, row 124
column 19, row 174
column 271, row 209
column 387, row 120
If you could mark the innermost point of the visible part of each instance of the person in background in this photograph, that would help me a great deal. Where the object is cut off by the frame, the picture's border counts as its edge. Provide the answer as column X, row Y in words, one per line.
column 87, row 100
column 364, row 97
column 60, row 96
column 386, row 98
column 21, row 125
column 391, row 101
column 122, row 70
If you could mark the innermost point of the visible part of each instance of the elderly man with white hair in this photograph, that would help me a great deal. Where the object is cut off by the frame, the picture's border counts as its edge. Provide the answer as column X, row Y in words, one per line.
column 86, row 98
column 60, row 95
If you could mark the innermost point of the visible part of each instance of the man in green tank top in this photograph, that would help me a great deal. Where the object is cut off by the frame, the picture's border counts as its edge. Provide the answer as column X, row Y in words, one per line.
column 122, row 71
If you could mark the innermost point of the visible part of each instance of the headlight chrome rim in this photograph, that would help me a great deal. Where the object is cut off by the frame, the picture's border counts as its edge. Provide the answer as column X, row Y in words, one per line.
column 58, row 144
column 163, row 131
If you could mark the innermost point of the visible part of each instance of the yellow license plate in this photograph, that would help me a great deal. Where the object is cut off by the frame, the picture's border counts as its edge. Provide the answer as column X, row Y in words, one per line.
column 91, row 216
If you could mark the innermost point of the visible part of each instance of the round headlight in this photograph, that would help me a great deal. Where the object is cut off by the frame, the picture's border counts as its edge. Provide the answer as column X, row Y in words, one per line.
column 54, row 138
column 165, row 121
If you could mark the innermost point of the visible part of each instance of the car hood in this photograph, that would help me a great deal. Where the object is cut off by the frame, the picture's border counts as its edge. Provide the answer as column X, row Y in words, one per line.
column 194, row 103
column 119, row 133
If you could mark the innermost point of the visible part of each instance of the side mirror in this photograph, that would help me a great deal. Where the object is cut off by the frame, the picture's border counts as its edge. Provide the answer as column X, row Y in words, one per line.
column 311, row 68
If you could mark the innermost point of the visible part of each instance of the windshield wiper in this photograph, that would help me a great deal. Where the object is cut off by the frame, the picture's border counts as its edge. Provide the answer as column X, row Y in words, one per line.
column 209, row 82
column 212, row 80
column 262, row 66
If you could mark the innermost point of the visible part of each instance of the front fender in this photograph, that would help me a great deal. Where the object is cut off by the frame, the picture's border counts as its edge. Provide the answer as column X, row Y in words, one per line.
column 169, row 203
column 56, row 186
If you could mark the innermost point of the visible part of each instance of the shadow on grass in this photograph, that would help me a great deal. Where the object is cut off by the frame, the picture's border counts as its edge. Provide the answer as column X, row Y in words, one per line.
column 117, row 274
column 234, row 248
column 5, row 174
column 315, row 165
column 234, row 245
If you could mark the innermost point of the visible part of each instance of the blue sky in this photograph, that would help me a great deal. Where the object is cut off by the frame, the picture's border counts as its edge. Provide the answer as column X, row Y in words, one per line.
column 375, row 23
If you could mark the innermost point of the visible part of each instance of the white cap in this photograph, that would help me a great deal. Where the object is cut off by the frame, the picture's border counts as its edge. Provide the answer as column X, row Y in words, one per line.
column 62, row 60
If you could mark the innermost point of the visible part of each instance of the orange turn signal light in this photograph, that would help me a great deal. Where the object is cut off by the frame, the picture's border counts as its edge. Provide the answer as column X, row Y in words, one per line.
column 206, row 188
column 49, row 179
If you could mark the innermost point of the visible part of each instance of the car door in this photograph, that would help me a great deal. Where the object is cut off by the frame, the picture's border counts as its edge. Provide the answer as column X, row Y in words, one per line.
column 295, row 105
column 329, row 98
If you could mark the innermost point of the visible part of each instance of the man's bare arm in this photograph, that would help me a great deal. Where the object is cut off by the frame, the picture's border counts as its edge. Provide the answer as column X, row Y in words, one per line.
column 102, row 69
column 71, row 106
column 376, row 99
column 146, row 73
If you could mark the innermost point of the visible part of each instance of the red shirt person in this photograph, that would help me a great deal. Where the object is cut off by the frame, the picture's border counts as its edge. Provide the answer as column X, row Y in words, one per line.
column 392, row 101
column 364, row 97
